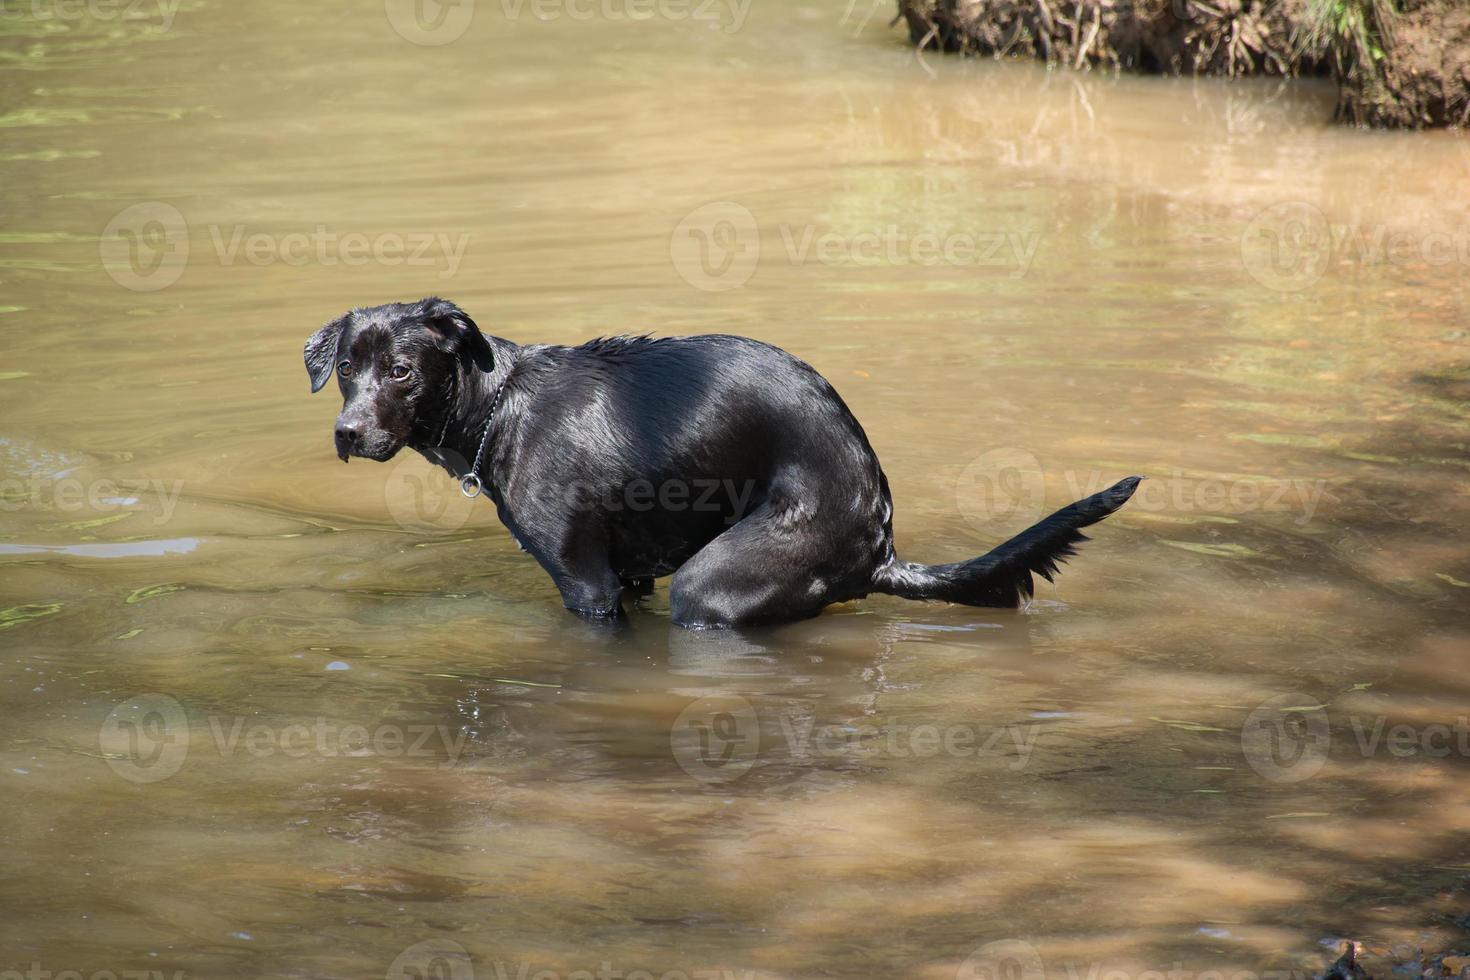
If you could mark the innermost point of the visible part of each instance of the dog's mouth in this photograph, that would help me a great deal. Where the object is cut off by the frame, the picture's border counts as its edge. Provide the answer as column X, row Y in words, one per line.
column 378, row 447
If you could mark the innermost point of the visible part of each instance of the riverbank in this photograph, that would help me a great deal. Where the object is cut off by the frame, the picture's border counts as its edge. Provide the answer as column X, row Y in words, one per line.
column 1398, row 63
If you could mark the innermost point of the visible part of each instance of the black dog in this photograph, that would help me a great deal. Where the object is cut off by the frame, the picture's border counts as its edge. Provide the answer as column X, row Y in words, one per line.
column 723, row 461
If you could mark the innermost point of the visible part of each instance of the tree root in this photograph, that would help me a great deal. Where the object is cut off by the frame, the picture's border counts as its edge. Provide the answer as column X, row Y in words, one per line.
column 1406, row 64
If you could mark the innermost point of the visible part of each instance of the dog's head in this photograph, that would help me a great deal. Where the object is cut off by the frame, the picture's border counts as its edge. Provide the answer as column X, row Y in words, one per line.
column 397, row 367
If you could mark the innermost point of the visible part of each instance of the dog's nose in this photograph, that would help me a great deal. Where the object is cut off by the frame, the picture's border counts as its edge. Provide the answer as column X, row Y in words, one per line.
column 347, row 435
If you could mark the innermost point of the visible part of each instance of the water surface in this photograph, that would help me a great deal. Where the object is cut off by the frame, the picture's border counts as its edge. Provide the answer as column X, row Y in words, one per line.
column 265, row 715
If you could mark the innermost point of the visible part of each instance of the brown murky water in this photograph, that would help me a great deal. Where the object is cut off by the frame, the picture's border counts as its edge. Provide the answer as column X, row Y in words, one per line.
column 266, row 715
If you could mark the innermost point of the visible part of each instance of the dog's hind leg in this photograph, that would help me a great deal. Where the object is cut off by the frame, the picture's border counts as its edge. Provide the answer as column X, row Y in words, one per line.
column 765, row 568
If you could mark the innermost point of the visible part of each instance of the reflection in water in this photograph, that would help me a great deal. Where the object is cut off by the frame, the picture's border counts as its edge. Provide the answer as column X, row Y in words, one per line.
column 359, row 720
column 117, row 549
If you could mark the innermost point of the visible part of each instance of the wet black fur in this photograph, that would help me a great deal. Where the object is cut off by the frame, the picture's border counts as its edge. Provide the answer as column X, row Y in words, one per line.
column 722, row 461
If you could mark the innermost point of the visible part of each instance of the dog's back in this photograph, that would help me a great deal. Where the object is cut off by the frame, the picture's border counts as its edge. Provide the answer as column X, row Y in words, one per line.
column 686, row 436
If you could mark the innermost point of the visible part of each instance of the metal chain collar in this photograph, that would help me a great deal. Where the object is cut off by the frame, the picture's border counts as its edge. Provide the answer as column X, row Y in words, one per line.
column 471, row 485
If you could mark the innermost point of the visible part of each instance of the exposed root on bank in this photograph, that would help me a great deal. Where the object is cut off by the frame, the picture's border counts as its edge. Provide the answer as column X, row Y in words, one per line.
column 1403, row 63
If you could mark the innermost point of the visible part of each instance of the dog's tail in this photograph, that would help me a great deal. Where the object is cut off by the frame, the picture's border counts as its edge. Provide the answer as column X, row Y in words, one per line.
column 1003, row 577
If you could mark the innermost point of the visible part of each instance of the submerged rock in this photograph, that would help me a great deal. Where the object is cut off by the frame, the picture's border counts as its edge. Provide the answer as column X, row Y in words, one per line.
column 1346, row 966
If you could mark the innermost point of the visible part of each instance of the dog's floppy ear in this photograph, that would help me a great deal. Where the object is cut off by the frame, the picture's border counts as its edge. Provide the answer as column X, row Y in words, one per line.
column 455, row 333
column 321, row 351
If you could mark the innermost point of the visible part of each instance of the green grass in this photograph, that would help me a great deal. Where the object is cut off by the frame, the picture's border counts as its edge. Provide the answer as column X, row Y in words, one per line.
column 1353, row 32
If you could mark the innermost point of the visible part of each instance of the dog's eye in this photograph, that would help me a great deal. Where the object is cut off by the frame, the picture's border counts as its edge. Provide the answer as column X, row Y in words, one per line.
column 345, row 369
column 400, row 372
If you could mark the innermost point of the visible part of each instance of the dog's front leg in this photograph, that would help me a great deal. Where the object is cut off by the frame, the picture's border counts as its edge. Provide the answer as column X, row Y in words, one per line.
column 575, row 556
column 594, row 598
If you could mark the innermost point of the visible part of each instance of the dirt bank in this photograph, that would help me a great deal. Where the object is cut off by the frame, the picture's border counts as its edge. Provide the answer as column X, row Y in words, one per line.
column 1398, row 63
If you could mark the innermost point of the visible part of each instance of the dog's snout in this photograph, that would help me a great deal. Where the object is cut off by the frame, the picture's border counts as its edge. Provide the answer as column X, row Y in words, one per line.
column 348, row 437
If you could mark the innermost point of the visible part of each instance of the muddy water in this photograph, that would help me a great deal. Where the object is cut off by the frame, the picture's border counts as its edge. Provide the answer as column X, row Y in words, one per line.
column 267, row 715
